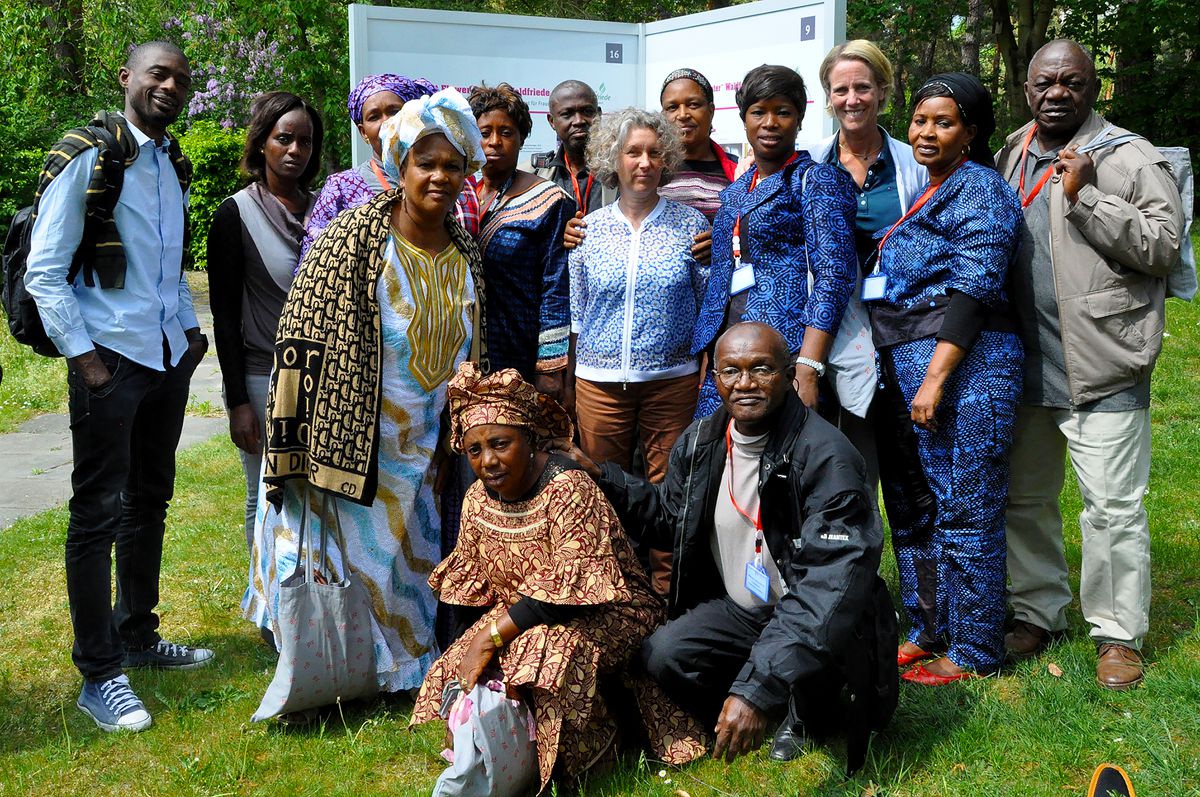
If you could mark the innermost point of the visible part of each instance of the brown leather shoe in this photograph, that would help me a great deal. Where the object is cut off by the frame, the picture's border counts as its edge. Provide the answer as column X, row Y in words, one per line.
column 1118, row 667
column 1025, row 640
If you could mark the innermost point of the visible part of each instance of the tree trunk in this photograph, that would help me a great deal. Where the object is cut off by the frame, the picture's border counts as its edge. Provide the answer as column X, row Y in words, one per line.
column 62, row 28
column 1017, row 45
column 1133, row 106
column 972, row 30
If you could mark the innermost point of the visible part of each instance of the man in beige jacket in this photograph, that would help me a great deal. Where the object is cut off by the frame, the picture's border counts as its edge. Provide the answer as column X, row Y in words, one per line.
column 1104, row 224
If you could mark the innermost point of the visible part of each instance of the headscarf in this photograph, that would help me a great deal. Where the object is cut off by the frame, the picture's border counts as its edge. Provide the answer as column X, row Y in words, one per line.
column 407, row 89
column 504, row 398
column 974, row 103
column 446, row 112
column 692, row 75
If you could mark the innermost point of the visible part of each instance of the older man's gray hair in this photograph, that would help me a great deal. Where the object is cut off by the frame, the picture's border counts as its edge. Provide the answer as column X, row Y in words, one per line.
column 608, row 136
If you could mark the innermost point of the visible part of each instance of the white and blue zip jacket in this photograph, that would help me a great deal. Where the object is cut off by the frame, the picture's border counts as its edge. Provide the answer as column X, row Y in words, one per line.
column 635, row 294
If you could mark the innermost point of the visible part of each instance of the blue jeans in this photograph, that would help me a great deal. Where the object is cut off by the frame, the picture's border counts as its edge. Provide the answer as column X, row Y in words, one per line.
column 124, row 437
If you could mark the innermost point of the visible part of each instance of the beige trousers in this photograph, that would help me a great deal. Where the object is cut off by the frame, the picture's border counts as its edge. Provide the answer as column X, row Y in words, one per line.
column 1110, row 452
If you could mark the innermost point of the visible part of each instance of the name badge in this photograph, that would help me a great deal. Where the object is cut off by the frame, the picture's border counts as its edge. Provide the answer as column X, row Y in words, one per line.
column 873, row 287
column 743, row 279
column 758, row 583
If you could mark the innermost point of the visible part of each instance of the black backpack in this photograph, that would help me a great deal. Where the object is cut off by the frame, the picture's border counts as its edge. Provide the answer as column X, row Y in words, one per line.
column 23, row 319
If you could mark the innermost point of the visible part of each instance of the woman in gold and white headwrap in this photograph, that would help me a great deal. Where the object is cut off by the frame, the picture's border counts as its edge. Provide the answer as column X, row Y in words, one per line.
column 384, row 307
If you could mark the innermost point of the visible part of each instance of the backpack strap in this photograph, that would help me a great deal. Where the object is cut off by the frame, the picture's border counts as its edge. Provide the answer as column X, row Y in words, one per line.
column 112, row 161
column 1099, row 141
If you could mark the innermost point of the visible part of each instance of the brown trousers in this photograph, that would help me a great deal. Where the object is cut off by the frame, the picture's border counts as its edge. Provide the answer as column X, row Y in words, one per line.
column 614, row 418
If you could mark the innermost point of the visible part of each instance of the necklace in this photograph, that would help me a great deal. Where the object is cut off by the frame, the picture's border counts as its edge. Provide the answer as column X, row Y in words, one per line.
column 870, row 156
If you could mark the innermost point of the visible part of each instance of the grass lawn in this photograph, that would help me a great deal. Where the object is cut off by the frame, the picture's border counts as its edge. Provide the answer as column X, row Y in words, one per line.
column 1029, row 732
column 32, row 384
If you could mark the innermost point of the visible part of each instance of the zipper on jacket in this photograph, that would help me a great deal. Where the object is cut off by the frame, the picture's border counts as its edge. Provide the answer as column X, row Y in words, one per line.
column 687, row 506
column 1062, row 337
column 631, row 263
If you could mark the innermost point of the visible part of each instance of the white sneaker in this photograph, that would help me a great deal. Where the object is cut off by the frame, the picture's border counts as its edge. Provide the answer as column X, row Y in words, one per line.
column 113, row 706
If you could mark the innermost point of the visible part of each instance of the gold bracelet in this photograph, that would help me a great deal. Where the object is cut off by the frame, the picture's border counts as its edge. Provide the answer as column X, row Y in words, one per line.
column 497, row 640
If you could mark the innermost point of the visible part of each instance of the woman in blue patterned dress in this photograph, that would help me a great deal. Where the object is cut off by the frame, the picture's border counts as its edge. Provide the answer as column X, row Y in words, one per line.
column 386, row 305
column 948, row 346
column 784, row 219
column 635, row 292
column 520, row 238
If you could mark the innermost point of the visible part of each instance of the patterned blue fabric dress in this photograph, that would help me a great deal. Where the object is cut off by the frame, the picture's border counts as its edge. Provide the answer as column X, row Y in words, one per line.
column 952, row 560
column 788, row 222
column 525, row 265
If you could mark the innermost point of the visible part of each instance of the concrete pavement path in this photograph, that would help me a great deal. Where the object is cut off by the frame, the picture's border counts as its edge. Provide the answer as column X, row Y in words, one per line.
column 35, row 460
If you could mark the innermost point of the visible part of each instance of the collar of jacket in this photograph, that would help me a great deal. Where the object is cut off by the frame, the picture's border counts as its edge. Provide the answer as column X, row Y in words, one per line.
column 786, row 427
column 1086, row 132
column 728, row 163
column 767, row 187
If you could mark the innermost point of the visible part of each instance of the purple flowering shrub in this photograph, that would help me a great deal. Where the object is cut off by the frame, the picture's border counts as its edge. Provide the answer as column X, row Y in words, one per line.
column 229, row 69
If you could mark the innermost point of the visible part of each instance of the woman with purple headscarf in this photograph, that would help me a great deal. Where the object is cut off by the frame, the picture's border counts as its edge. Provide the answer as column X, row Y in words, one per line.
column 373, row 101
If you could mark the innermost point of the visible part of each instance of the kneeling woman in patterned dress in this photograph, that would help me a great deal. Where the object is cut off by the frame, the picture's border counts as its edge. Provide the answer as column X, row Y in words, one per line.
column 565, row 604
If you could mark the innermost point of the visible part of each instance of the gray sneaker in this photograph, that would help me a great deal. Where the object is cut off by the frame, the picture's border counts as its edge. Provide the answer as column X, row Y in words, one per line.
column 168, row 656
column 113, row 706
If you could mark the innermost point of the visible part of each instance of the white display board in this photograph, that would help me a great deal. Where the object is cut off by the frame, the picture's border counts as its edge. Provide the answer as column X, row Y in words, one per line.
column 727, row 43
column 625, row 63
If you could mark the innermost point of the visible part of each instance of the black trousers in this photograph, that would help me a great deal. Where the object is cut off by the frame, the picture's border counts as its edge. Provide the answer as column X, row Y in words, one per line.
column 697, row 656
column 124, row 438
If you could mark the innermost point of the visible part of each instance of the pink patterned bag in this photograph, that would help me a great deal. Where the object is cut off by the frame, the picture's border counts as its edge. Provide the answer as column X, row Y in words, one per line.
column 494, row 753
column 326, row 652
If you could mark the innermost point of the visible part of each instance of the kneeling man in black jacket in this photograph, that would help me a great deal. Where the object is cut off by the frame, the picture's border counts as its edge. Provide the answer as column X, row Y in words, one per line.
column 776, row 606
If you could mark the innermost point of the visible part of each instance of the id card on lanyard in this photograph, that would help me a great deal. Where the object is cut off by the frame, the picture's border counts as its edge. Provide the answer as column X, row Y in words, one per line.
column 757, row 582
column 743, row 270
column 875, row 284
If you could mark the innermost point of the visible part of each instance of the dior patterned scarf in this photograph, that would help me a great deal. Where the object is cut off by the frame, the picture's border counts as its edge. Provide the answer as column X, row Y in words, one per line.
column 323, row 407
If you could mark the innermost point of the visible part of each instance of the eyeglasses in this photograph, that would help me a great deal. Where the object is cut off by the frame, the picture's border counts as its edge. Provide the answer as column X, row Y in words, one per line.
column 759, row 375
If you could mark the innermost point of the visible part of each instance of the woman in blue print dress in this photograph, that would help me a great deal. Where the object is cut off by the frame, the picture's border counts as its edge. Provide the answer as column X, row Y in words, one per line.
column 950, row 355
column 783, row 219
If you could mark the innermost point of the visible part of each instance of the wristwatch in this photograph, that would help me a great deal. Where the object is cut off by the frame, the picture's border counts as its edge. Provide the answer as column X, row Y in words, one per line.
column 497, row 640
column 819, row 367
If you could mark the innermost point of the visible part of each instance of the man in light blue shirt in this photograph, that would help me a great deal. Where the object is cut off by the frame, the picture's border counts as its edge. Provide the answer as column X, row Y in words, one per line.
column 131, row 344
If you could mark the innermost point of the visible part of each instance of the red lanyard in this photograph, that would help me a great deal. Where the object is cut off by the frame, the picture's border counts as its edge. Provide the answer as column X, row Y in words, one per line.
column 383, row 180
column 920, row 203
column 1026, row 201
column 581, row 200
column 737, row 223
column 757, row 520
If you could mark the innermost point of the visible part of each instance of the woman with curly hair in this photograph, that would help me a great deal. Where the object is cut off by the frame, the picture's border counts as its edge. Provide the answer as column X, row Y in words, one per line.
column 635, row 292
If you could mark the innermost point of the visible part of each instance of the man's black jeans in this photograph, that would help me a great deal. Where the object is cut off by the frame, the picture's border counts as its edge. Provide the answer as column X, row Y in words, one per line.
column 697, row 656
column 124, row 437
